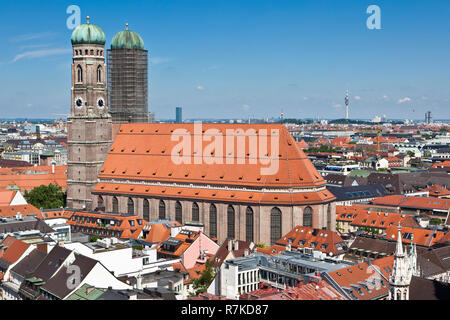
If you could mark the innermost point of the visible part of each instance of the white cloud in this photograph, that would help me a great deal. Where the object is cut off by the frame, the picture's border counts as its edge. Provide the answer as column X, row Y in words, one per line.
column 32, row 36
column 357, row 98
column 35, row 46
column 305, row 98
column 40, row 54
column 29, row 105
column 424, row 97
column 200, row 88
column 385, row 97
column 245, row 107
column 337, row 105
column 159, row 60
column 405, row 99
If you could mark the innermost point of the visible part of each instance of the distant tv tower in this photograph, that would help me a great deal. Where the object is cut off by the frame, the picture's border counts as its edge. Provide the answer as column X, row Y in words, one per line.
column 347, row 101
column 282, row 115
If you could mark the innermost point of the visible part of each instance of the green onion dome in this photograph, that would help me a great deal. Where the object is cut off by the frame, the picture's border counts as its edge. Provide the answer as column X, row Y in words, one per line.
column 88, row 34
column 127, row 39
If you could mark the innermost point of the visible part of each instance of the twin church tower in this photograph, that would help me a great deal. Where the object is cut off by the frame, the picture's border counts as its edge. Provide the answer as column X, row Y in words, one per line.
column 103, row 96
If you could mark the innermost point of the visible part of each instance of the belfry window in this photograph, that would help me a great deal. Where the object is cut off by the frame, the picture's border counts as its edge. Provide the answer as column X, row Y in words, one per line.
column 99, row 74
column 79, row 74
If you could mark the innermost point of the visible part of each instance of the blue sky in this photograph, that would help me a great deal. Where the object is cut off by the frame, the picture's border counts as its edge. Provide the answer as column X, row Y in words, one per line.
column 235, row 59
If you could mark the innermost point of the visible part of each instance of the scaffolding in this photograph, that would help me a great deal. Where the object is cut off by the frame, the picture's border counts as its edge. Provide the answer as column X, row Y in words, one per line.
column 128, row 85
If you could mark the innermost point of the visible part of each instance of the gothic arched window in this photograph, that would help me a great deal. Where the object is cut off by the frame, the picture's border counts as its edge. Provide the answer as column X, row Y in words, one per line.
column 100, row 203
column 249, row 224
column 329, row 217
column 178, row 212
column 130, row 206
column 146, row 211
column 115, row 205
column 213, row 221
column 195, row 212
column 307, row 217
column 99, row 74
column 79, row 74
column 275, row 225
column 230, row 221
column 162, row 210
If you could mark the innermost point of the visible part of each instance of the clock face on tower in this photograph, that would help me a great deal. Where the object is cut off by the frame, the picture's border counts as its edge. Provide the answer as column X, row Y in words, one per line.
column 101, row 103
column 78, row 102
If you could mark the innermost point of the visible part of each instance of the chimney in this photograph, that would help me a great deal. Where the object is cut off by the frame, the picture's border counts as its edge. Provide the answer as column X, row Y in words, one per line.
column 245, row 252
column 53, row 167
column 171, row 285
column 132, row 296
column 236, row 245
column 230, row 245
column 139, row 282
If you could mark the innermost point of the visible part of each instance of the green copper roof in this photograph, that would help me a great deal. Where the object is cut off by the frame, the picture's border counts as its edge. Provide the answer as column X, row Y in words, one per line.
column 88, row 34
column 127, row 39
column 86, row 292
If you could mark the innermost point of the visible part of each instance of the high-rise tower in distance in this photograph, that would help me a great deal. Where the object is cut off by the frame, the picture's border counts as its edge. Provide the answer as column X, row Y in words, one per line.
column 178, row 115
column 128, row 78
column 428, row 117
column 347, row 102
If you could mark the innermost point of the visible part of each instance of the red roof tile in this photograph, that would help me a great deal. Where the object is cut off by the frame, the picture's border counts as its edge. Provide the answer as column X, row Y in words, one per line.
column 12, row 249
column 143, row 152
column 422, row 237
column 326, row 241
column 363, row 281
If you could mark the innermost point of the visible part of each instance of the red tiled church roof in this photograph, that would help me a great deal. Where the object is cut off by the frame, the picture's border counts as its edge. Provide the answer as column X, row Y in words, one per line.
column 142, row 152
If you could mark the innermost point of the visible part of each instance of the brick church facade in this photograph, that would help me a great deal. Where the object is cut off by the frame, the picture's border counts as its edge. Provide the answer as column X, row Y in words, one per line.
column 89, row 126
column 231, row 198
column 233, row 193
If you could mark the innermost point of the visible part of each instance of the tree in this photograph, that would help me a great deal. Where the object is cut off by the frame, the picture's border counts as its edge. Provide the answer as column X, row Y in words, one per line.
column 93, row 238
column 46, row 197
column 435, row 221
column 201, row 284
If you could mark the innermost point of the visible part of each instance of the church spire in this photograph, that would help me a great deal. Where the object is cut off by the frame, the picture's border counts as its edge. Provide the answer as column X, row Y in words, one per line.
column 399, row 249
column 400, row 277
column 413, row 257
